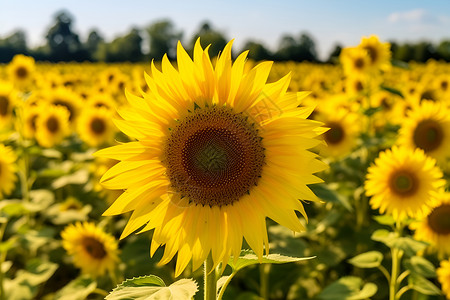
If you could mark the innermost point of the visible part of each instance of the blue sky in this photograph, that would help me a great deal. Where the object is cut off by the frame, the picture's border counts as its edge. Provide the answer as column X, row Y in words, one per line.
column 327, row 21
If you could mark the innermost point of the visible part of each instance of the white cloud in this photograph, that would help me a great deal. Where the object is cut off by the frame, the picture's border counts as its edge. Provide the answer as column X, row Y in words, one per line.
column 411, row 16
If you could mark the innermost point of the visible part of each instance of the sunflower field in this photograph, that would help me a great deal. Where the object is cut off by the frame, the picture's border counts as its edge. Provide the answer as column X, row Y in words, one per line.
column 284, row 180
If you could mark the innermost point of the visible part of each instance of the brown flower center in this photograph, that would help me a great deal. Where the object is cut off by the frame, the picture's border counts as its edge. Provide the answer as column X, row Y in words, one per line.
column 428, row 135
column 373, row 54
column 21, row 72
column 4, row 105
column 403, row 183
column 439, row 219
column 67, row 105
column 94, row 247
column 359, row 63
column 214, row 156
column 336, row 133
column 52, row 124
column 98, row 126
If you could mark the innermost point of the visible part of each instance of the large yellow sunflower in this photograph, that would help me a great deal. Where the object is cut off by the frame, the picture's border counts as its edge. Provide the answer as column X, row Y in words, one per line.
column 427, row 127
column 435, row 226
column 7, row 170
column 443, row 275
column 52, row 125
column 403, row 182
column 218, row 150
column 93, row 250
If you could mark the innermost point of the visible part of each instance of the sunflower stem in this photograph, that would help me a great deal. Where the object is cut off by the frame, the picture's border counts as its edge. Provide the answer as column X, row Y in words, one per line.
column 396, row 257
column 264, row 270
column 2, row 260
column 210, row 279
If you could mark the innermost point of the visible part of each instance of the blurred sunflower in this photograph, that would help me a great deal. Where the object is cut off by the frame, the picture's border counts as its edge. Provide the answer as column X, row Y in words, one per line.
column 403, row 182
column 379, row 53
column 354, row 60
column 101, row 100
column 95, row 126
column 65, row 98
column 94, row 251
column 30, row 114
column 344, row 128
column 21, row 70
column 52, row 125
column 8, row 98
column 427, row 127
column 7, row 170
column 443, row 275
column 434, row 228
column 218, row 150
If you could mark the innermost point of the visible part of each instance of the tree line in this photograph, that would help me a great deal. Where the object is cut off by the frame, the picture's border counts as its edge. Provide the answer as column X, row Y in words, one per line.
column 63, row 44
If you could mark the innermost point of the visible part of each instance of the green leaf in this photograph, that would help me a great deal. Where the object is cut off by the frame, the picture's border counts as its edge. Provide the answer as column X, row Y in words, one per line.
column 392, row 90
column 78, row 177
column 371, row 259
column 6, row 245
column 248, row 258
column 13, row 207
column 421, row 266
column 422, row 285
column 152, row 287
column 372, row 110
column 77, row 289
column 27, row 282
column 384, row 219
column 326, row 193
column 348, row 288
column 390, row 239
column 283, row 241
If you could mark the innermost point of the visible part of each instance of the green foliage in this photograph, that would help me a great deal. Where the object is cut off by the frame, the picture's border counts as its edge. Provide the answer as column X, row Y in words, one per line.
column 371, row 259
column 77, row 289
column 152, row 287
column 348, row 288
column 248, row 258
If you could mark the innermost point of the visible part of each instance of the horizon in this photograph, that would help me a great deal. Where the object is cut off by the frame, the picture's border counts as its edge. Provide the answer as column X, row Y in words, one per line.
column 335, row 23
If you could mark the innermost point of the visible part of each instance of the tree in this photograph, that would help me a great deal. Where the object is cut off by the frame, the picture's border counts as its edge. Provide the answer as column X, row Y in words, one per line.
column 443, row 50
column 163, row 39
column 210, row 36
column 334, row 55
column 300, row 49
column 124, row 48
column 92, row 44
column 257, row 51
column 14, row 44
column 63, row 43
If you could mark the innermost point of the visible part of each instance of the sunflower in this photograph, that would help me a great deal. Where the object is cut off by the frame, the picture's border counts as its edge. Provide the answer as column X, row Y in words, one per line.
column 427, row 127
column 30, row 114
column 354, row 60
column 403, row 182
column 21, row 70
column 101, row 100
column 435, row 227
column 344, row 128
column 52, row 125
column 7, row 170
column 443, row 275
column 8, row 97
column 217, row 151
column 95, row 126
column 379, row 53
column 93, row 250
column 65, row 98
